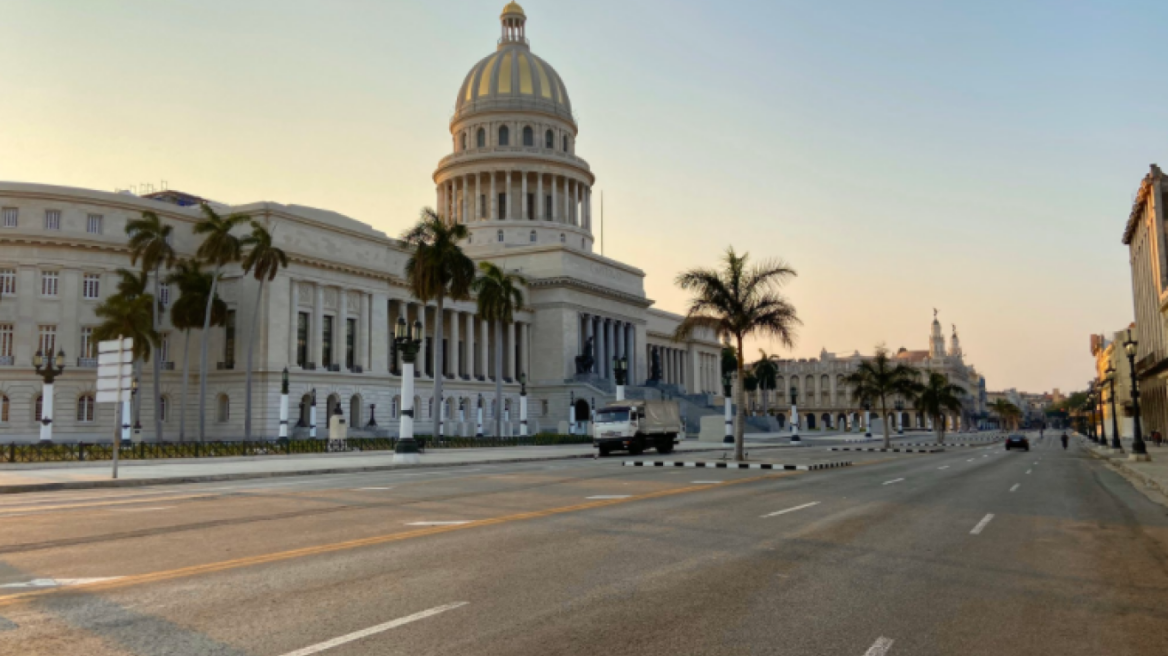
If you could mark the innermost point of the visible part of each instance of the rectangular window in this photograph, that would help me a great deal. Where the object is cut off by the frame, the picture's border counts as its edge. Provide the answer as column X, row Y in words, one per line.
column 547, row 208
column 327, row 346
column 482, row 206
column 7, row 282
column 163, row 348
column 52, row 219
column 88, row 344
column 164, row 295
column 350, row 343
column 229, row 340
column 302, row 338
column 47, row 340
column 49, row 283
column 530, row 207
column 90, row 286
column 5, row 340
column 93, row 224
column 10, row 215
column 503, row 206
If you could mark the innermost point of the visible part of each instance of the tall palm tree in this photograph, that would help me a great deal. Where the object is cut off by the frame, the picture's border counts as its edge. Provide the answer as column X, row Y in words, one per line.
column 766, row 370
column 739, row 300
column 751, row 384
column 875, row 380
column 438, row 270
column 263, row 260
column 936, row 398
column 1007, row 412
column 150, row 243
column 186, row 314
column 132, row 285
column 127, row 316
column 498, row 296
column 219, row 248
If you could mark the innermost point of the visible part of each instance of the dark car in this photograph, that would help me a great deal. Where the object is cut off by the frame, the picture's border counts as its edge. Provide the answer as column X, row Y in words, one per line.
column 1017, row 442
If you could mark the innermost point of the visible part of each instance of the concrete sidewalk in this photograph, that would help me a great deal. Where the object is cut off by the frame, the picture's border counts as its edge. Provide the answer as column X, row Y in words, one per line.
column 1152, row 474
column 42, row 477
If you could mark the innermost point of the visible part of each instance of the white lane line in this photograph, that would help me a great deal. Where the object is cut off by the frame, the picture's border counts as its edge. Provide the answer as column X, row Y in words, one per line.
column 1016, row 486
column 784, row 512
column 1036, row 462
column 363, row 489
column 986, row 455
column 140, row 509
column 895, row 480
column 970, row 460
column 454, row 523
column 945, row 467
column 880, row 647
column 610, row 496
column 982, row 524
column 373, row 630
column 56, row 583
column 1029, row 470
column 705, row 482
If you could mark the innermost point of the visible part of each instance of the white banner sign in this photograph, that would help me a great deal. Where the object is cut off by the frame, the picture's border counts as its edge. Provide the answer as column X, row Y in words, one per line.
column 113, row 396
column 115, row 357
column 111, row 371
column 114, row 345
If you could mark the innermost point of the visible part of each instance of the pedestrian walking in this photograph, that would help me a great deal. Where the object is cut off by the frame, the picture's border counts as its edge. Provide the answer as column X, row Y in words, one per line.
column 1157, row 438
column 1064, row 438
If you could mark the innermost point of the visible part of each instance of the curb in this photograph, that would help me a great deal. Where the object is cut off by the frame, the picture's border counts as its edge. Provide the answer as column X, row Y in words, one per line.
column 892, row 449
column 737, row 465
column 243, row 476
column 1148, row 481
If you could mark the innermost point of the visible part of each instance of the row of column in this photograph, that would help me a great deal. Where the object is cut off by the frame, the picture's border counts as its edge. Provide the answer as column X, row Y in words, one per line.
column 339, row 339
column 710, row 372
column 461, row 332
column 462, row 198
column 610, row 338
column 673, row 369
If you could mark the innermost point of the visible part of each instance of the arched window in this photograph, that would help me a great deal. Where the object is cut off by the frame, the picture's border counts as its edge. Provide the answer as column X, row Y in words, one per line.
column 532, row 236
column 85, row 406
column 504, row 136
column 3, row 408
column 38, row 408
column 464, row 141
column 565, row 143
column 481, row 139
column 165, row 404
column 549, row 140
column 563, row 240
column 224, row 409
column 499, row 236
column 528, row 136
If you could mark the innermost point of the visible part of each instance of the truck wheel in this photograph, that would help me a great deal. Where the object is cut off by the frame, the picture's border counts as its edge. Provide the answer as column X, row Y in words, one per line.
column 665, row 447
column 605, row 450
column 636, row 448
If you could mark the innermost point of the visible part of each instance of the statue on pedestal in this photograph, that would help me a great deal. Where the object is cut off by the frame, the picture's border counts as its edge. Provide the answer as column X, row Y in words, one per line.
column 584, row 362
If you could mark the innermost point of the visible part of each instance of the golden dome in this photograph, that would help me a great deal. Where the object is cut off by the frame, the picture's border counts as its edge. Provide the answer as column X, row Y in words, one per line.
column 513, row 9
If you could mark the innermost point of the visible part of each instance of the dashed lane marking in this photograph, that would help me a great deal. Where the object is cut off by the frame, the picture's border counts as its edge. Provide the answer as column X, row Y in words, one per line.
column 790, row 510
column 56, row 583
column 880, row 647
column 152, row 508
column 1015, row 488
column 945, row 467
column 373, row 630
column 895, row 480
column 1029, row 470
column 982, row 524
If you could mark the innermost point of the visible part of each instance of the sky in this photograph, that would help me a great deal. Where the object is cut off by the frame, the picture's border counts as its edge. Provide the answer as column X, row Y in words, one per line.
column 978, row 158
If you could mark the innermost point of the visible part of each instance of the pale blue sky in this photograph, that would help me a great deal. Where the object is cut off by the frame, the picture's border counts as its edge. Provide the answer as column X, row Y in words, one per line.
column 975, row 157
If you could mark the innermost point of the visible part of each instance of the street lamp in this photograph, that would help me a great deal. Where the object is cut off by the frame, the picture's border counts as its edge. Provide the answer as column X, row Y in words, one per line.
column 620, row 370
column 48, row 371
column 1138, row 447
column 899, row 416
column 408, row 339
column 479, row 420
column 1091, row 411
column 1115, row 443
column 867, row 418
column 795, row 416
column 728, row 390
column 523, row 404
column 284, row 404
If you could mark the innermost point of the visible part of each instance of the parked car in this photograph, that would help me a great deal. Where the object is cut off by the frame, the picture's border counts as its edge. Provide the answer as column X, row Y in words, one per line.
column 1017, row 442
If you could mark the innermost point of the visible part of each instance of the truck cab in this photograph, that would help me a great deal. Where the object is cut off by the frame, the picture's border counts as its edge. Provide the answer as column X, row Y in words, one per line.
column 634, row 426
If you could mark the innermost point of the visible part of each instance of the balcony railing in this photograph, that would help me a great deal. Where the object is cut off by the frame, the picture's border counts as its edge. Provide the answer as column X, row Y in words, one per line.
column 86, row 363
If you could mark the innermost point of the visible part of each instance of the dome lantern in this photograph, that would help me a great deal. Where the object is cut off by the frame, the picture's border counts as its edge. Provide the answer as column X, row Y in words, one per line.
column 513, row 20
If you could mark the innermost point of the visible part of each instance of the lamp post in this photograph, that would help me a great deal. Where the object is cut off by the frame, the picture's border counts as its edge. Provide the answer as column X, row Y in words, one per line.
column 1116, row 445
column 284, row 404
column 867, row 419
column 523, row 404
column 479, row 419
column 127, row 410
column 48, row 369
column 137, row 417
column 408, row 340
column 312, row 416
column 899, row 416
column 620, row 370
column 1090, row 428
column 795, row 416
column 727, row 407
column 1139, row 449
column 372, row 416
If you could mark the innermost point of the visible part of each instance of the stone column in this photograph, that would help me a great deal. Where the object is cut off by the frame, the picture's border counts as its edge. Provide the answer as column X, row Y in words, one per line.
column 525, row 348
column 509, row 352
column 539, row 196
column 363, row 333
column 610, row 349
column 523, row 195
column 466, row 201
column 510, row 197
column 588, row 208
column 294, row 303
column 588, row 334
column 342, row 327
column 318, row 327
column 602, row 352
column 493, row 201
column 470, row 343
column 478, row 212
column 423, row 359
column 455, row 360
column 630, row 353
column 485, row 350
column 439, row 203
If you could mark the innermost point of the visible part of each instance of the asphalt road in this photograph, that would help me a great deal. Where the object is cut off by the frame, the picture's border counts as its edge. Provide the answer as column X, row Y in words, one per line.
column 973, row 551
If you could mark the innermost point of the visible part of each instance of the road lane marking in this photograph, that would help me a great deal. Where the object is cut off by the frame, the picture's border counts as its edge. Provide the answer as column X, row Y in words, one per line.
column 945, row 467
column 373, row 630
column 1015, row 488
column 376, row 540
column 57, row 583
column 880, row 647
column 363, row 489
column 141, row 509
column 11, row 511
column 970, row 460
column 705, row 482
column 895, row 480
column 450, row 523
column 1029, row 470
column 982, row 524
column 784, row 512
column 609, row 496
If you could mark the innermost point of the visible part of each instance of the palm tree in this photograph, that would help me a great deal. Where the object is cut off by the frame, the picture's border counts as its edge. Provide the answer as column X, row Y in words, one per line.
column 936, row 398
column 127, row 316
column 150, row 242
column 218, row 249
column 186, row 313
column 498, row 297
column 751, row 384
column 739, row 301
column 877, row 379
column 132, row 285
column 1007, row 412
column 263, row 261
column 437, row 270
column 766, row 370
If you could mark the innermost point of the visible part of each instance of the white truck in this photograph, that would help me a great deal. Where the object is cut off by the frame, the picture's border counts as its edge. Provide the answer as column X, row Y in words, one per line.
column 634, row 426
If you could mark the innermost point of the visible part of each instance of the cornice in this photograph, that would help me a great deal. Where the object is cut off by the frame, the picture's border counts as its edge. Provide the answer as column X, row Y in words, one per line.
column 591, row 288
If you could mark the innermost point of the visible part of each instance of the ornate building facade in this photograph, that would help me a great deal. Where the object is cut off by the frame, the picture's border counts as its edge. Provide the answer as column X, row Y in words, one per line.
column 514, row 178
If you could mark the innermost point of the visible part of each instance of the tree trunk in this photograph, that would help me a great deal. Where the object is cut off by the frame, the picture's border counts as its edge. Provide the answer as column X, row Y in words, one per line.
column 438, row 362
column 740, row 412
column 203, row 357
column 884, row 416
column 937, row 431
column 498, row 379
column 182, row 417
column 255, row 317
column 765, row 408
column 157, row 369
